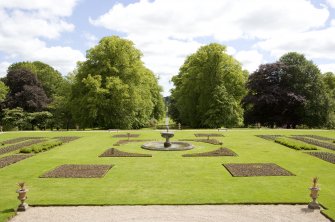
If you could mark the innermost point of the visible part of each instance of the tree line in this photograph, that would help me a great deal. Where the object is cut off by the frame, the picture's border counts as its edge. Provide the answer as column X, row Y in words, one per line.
column 113, row 89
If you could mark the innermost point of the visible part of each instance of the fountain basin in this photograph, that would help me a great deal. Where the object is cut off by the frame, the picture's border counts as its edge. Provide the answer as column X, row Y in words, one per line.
column 175, row 146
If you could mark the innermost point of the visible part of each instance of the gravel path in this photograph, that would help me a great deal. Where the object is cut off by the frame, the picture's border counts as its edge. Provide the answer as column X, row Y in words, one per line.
column 181, row 213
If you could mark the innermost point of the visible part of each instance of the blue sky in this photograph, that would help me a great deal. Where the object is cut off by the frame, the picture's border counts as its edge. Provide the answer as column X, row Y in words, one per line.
column 166, row 31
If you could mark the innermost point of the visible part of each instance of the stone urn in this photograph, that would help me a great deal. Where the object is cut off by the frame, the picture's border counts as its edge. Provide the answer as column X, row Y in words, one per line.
column 314, row 195
column 22, row 197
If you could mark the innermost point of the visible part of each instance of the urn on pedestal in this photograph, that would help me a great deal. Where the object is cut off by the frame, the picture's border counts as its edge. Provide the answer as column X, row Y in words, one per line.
column 22, row 197
column 314, row 194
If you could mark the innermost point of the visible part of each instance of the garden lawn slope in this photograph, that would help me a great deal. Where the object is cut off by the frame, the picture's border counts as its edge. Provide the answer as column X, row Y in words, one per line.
column 167, row 177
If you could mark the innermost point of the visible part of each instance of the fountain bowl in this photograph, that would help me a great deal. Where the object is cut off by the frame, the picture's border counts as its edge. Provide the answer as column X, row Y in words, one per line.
column 175, row 146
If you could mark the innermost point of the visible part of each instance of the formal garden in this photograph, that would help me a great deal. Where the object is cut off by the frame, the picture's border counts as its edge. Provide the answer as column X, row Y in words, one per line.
column 243, row 166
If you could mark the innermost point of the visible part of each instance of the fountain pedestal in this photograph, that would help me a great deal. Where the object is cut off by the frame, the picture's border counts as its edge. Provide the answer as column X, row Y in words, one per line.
column 167, row 136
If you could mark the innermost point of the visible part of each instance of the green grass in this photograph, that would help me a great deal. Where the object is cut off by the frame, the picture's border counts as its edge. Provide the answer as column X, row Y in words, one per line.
column 167, row 177
column 294, row 144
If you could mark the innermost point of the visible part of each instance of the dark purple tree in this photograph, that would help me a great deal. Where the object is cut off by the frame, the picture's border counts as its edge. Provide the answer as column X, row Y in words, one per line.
column 25, row 91
column 270, row 99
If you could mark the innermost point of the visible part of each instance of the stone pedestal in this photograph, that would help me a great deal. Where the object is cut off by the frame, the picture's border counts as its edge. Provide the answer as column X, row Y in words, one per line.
column 314, row 194
column 167, row 136
column 22, row 197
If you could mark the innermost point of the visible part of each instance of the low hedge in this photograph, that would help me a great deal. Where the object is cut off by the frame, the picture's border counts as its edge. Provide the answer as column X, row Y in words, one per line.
column 37, row 148
column 294, row 144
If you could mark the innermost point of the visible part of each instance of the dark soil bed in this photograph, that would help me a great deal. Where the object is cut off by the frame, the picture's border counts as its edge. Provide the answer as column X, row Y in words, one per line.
column 315, row 142
column 256, row 169
column 18, row 146
column 120, row 142
column 8, row 160
column 78, row 171
column 316, row 137
column 67, row 139
column 210, row 141
column 269, row 137
column 17, row 140
column 329, row 157
column 219, row 152
column 125, row 135
column 208, row 135
column 112, row 152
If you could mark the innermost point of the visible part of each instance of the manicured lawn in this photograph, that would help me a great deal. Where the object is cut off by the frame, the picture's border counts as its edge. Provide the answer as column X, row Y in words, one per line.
column 167, row 177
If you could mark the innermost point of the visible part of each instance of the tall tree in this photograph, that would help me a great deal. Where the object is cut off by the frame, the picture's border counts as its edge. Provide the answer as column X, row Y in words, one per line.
column 50, row 79
column 3, row 91
column 25, row 91
column 113, row 89
column 270, row 99
column 208, row 89
column 329, row 81
column 289, row 92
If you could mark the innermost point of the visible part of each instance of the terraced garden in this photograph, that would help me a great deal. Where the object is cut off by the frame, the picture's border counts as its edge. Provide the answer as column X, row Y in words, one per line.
column 266, row 171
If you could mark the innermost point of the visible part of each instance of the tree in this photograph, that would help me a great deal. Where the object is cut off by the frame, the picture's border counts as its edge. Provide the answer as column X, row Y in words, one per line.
column 289, row 92
column 306, row 80
column 25, row 91
column 270, row 100
column 113, row 89
column 3, row 91
column 329, row 81
column 208, row 89
column 39, row 119
column 51, row 80
column 14, row 118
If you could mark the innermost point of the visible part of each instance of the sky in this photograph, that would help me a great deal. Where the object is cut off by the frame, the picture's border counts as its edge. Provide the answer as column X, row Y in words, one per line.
column 58, row 32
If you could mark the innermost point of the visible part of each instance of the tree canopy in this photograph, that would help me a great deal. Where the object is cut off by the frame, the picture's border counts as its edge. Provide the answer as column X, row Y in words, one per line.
column 208, row 89
column 288, row 92
column 50, row 79
column 113, row 89
column 25, row 91
column 3, row 91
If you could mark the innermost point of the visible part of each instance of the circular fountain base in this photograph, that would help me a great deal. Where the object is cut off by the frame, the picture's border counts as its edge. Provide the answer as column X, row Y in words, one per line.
column 175, row 146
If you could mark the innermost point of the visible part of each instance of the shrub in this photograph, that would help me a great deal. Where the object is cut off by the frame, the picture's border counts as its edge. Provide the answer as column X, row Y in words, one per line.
column 291, row 143
column 37, row 148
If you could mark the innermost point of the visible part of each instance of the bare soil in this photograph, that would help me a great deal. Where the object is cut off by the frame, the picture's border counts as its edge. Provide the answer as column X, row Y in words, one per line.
column 18, row 146
column 125, row 135
column 78, row 171
column 208, row 135
column 256, row 169
column 315, row 142
column 67, row 139
column 329, row 157
column 112, row 152
column 120, row 142
column 19, row 139
column 219, row 152
column 8, row 160
column 210, row 141
column 269, row 137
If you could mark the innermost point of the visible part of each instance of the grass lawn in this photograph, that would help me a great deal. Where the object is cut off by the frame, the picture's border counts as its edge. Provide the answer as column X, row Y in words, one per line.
column 167, row 177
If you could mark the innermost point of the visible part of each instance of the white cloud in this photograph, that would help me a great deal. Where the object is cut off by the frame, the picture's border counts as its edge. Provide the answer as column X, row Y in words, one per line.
column 327, row 67
column 91, row 40
column 24, row 26
column 250, row 59
column 3, row 68
column 331, row 3
column 318, row 44
column 166, row 31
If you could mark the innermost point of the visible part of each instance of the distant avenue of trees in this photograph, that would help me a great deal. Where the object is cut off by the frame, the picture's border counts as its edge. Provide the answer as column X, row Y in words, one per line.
column 113, row 89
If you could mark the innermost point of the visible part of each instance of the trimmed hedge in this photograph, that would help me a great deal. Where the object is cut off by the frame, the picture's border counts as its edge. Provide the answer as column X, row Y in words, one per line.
column 291, row 143
column 37, row 148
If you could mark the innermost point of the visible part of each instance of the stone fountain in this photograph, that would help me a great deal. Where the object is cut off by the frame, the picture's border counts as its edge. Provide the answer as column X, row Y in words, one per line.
column 167, row 145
